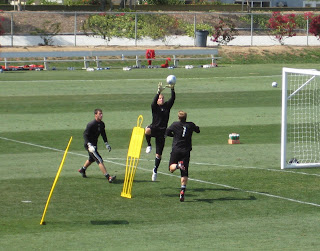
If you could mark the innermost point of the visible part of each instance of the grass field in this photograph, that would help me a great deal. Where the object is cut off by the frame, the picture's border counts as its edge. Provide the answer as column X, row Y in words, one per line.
column 237, row 197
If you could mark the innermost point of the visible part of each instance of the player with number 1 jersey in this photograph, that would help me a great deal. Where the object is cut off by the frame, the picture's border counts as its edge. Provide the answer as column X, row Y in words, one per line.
column 181, row 131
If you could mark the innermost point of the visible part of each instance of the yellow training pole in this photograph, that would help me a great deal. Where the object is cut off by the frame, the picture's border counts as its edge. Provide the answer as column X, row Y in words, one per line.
column 133, row 157
column 55, row 182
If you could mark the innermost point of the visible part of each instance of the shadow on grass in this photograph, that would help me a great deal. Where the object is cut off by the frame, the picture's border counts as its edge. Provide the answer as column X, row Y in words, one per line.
column 223, row 199
column 201, row 190
column 119, row 181
column 212, row 189
column 109, row 222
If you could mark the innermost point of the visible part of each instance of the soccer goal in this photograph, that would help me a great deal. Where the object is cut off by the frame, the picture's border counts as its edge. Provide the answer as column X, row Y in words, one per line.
column 300, row 125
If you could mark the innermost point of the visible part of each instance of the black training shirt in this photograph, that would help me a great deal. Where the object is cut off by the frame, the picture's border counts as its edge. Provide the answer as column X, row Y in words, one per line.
column 161, row 113
column 182, row 134
column 92, row 132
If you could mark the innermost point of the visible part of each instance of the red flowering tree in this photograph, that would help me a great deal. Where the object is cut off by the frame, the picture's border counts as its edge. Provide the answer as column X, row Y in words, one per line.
column 314, row 25
column 224, row 31
column 308, row 15
column 282, row 26
column 1, row 27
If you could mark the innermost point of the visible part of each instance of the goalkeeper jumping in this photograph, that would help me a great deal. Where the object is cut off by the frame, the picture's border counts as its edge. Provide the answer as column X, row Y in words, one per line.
column 94, row 129
column 160, row 117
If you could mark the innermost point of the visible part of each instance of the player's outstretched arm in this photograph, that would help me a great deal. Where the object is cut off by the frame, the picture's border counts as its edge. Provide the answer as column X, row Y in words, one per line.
column 160, row 87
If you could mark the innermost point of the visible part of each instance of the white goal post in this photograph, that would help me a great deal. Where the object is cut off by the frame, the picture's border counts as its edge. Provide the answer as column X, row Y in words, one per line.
column 300, row 123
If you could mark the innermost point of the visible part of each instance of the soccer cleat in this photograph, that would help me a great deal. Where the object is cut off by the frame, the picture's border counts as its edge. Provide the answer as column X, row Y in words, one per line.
column 181, row 196
column 148, row 149
column 181, row 166
column 83, row 172
column 154, row 175
column 111, row 178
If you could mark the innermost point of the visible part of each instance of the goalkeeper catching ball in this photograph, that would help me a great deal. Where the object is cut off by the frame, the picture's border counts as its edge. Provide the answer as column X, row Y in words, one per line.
column 94, row 129
column 160, row 117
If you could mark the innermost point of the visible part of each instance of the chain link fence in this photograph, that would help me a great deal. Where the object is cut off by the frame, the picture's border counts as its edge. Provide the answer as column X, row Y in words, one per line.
column 139, row 28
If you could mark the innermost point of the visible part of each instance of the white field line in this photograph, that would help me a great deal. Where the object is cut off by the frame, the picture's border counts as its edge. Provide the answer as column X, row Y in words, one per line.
column 172, row 175
column 135, row 79
column 259, row 168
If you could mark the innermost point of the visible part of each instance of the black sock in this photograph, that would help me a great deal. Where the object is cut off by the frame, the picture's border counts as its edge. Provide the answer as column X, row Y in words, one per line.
column 107, row 175
column 156, row 163
column 183, row 188
column 148, row 138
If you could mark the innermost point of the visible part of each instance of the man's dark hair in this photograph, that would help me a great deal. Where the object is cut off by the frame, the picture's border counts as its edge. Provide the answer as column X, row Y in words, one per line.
column 97, row 110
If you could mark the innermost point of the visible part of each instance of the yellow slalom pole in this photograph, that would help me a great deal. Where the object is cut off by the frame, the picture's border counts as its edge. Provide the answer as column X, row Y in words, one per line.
column 133, row 157
column 55, row 182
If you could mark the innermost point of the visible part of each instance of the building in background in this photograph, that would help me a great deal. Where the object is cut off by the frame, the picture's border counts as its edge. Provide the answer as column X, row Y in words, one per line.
column 275, row 3
column 311, row 3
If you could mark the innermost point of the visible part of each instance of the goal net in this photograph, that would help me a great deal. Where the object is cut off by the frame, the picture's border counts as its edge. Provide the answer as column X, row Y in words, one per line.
column 300, row 125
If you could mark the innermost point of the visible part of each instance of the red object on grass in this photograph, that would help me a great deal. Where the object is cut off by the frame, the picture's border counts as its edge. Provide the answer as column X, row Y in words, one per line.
column 150, row 54
column 166, row 65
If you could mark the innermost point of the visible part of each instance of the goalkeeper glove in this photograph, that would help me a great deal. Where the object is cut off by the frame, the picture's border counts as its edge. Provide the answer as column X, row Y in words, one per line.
column 107, row 146
column 91, row 148
column 170, row 86
column 160, row 87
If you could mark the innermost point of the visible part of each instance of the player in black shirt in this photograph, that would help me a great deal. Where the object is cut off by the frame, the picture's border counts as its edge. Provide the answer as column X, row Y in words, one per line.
column 181, row 131
column 160, row 117
column 94, row 129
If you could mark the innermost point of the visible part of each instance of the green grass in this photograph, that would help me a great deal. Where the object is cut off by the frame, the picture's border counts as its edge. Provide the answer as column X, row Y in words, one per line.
column 237, row 196
column 289, row 54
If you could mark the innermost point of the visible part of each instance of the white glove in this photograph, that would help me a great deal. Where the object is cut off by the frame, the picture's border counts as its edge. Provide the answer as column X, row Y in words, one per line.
column 107, row 146
column 160, row 87
column 91, row 148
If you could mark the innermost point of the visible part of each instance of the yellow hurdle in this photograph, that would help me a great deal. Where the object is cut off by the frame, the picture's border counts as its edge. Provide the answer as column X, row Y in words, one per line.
column 133, row 157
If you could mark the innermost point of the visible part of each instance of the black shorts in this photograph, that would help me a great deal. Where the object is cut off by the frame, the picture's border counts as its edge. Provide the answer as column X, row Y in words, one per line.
column 175, row 157
column 158, row 134
column 94, row 157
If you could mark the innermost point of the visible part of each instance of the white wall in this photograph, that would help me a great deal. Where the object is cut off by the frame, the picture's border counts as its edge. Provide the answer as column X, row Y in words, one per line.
column 82, row 40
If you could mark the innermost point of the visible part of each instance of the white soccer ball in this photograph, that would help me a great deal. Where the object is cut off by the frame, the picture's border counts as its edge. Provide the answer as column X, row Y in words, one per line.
column 171, row 79
column 274, row 84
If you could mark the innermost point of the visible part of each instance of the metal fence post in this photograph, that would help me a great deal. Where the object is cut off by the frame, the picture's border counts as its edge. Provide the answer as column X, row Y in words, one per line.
column 75, row 29
column 11, row 29
column 135, row 29
column 45, row 63
column 308, row 31
column 195, row 28
column 251, row 30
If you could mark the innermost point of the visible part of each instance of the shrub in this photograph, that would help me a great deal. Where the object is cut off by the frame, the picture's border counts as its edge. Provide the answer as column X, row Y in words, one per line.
column 224, row 31
column 189, row 28
column 157, row 26
column 47, row 32
column 314, row 26
column 259, row 21
column 123, row 25
column 164, row 2
column 1, row 27
column 282, row 26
